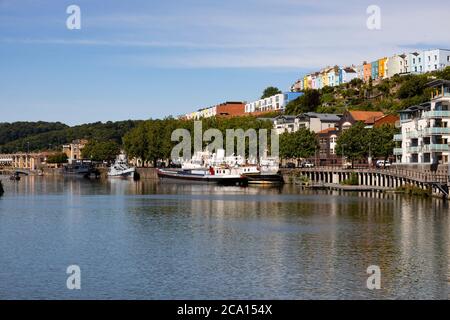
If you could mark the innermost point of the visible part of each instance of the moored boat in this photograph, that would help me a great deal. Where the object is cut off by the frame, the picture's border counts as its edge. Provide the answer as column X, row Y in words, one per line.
column 121, row 169
column 269, row 173
column 78, row 169
column 214, row 175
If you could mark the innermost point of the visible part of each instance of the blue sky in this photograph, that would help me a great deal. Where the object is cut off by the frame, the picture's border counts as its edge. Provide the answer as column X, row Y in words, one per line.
column 141, row 59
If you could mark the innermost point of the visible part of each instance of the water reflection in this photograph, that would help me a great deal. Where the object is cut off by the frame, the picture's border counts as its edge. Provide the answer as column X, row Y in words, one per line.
column 151, row 240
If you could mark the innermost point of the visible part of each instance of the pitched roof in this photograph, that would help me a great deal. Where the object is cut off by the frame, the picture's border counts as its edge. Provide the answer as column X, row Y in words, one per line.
column 328, row 130
column 366, row 115
column 322, row 116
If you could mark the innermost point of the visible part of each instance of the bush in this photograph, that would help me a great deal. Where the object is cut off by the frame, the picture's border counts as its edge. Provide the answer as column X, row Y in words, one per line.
column 353, row 181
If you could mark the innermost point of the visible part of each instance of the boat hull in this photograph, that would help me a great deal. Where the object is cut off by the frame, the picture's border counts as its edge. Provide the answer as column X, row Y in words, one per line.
column 264, row 179
column 180, row 176
column 124, row 175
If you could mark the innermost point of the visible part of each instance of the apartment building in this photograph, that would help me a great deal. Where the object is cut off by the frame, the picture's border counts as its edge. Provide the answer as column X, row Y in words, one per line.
column 436, row 59
column 229, row 108
column 74, row 150
column 425, row 129
column 316, row 122
column 284, row 124
column 274, row 103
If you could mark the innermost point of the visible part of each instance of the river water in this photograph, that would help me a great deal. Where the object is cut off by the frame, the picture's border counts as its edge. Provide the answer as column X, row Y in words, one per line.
column 148, row 240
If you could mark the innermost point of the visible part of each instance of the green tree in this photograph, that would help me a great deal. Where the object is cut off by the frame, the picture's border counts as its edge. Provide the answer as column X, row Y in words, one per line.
column 412, row 87
column 444, row 74
column 308, row 102
column 270, row 91
column 352, row 143
column 380, row 140
column 60, row 157
column 300, row 144
column 100, row 150
column 135, row 141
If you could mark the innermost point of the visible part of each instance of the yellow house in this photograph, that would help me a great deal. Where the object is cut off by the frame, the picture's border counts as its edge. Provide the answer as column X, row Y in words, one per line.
column 305, row 82
column 382, row 70
column 325, row 80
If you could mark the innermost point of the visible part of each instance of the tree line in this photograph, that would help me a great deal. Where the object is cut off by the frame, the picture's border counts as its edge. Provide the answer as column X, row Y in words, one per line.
column 355, row 143
column 151, row 140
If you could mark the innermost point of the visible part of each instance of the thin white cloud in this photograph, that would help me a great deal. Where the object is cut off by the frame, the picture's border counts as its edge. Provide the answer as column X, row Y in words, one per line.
column 286, row 33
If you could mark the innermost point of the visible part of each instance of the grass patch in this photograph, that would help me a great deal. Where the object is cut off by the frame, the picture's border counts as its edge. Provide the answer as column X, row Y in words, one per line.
column 414, row 191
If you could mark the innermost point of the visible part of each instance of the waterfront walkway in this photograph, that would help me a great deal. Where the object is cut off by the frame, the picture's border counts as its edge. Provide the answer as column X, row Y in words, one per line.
column 380, row 179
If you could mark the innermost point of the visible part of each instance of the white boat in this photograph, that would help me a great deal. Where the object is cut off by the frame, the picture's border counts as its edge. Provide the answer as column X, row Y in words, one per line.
column 219, row 175
column 120, row 168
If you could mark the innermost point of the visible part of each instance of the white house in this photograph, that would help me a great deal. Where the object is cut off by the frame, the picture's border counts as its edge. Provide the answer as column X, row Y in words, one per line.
column 415, row 62
column 316, row 122
column 274, row 103
column 284, row 124
column 396, row 64
column 425, row 129
column 436, row 59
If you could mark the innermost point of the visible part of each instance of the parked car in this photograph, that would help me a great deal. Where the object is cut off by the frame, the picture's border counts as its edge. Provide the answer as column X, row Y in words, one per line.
column 290, row 165
column 307, row 164
column 383, row 164
column 347, row 165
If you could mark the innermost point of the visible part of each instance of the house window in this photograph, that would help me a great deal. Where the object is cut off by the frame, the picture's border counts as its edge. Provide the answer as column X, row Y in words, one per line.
column 448, row 58
column 435, row 58
column 435, row 67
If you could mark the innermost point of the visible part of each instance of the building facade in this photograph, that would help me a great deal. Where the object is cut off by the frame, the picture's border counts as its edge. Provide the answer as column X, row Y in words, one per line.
column 327, row 143
column 375, row 70
column 274, row 103
column 74, row 150
column 316, row 122
column 351, row 117
column 382, row 68
column 347, row 74
column 226, row 109
column 284, row 124
column 396, row 65
column 367, row 72
column 425, row 129
column 415, row 63
column 436, row 59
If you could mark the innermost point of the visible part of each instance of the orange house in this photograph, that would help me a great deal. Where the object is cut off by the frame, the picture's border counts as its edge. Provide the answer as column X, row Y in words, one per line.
column 382, row 68
column 388, row 119
column 367, row 71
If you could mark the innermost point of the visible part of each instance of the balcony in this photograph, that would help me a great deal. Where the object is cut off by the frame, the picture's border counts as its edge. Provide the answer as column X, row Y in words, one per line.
column 436, row 114
column 398, row 151
column 414, row 149
column 398, row 137
column 435, row 148
column 436, row 131
column 412, row 134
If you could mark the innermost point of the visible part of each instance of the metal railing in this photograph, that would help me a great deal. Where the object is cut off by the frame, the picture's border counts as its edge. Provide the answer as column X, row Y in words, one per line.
column 413, row 175
column 436, row 114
